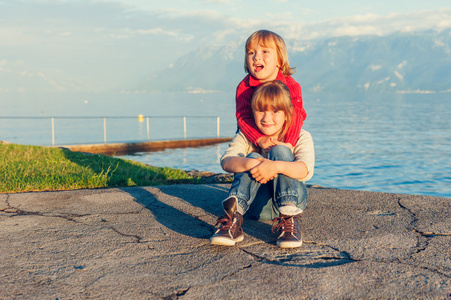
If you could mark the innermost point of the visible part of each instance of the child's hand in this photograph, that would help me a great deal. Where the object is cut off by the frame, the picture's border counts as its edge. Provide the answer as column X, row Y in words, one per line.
column 264, row 171
column 265, row 143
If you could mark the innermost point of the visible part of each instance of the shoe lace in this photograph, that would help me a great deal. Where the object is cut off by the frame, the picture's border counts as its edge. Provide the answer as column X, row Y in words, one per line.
column 227, row 222
column 285, row 224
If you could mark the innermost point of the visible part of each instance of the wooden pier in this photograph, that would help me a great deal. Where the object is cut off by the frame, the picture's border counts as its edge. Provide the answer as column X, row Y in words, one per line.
column 112, row 149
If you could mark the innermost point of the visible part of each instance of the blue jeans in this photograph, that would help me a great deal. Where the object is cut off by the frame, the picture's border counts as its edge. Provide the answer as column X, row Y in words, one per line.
column 261, row 201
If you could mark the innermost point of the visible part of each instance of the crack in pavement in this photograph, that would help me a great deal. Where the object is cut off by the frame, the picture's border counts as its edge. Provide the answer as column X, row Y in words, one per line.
column 423, row 237
column 236, row 272
column 429, row 269
column 422, row 240
column 400, row 262
column 414, row 216
column 70, row 217
column 260, row 258
column 137, row 237
column 431, row 234
column 176, row 294
column 19, row 212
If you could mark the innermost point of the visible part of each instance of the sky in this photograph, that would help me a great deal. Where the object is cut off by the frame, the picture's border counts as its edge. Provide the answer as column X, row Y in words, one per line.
column 101, row 45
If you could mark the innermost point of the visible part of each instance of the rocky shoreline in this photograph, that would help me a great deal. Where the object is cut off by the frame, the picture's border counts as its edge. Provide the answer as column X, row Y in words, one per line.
column 209, row 177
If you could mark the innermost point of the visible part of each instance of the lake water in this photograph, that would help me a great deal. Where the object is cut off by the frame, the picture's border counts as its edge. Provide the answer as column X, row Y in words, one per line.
column 397, row 143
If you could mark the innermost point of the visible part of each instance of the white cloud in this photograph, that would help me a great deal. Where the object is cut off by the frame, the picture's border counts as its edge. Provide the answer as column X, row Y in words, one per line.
column 399, row 75
column 401, row 65
column 439, row 43
column 375, row 67
column 371, row 24
column 5, row 70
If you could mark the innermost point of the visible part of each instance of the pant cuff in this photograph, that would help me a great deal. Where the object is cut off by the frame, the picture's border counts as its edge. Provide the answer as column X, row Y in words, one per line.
column 288, row 200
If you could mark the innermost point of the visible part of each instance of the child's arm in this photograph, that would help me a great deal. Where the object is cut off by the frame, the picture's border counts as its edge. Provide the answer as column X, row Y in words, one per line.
column 301, row 168
column 244, row 114
column 294, row 130
column 236, row 164
column 299, row 113
column 234, row 159
column 269, row 169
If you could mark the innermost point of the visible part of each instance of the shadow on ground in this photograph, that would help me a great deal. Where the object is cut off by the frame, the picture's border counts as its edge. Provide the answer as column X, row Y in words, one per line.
column 208, row 199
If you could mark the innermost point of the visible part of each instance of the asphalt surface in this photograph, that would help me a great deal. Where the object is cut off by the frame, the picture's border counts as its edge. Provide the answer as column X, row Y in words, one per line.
column 153, row 243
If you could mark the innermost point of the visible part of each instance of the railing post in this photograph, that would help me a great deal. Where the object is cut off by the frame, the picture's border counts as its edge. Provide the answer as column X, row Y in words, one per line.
column 217, row 126
column 184, row 127
column 148, row 132
column 104, row 130
column 53, row 132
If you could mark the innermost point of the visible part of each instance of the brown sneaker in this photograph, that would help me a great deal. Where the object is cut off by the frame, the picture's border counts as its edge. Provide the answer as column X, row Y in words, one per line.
column 288, row 225
column 230, row 231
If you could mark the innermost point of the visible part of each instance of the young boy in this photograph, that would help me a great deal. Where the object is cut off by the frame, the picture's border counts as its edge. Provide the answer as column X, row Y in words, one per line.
column 266, row 59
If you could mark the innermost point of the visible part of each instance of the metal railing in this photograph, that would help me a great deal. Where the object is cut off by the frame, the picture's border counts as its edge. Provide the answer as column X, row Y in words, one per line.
column 140, row 118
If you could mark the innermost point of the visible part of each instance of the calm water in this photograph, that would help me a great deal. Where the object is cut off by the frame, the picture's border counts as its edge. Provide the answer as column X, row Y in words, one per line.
column 397, row 143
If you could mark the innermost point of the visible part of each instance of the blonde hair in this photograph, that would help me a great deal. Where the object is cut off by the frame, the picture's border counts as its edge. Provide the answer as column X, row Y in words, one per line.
column 265, row 38
column 274, row 95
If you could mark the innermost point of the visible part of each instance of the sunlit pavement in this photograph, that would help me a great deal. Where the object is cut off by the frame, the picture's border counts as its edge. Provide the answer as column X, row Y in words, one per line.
column 153, row 243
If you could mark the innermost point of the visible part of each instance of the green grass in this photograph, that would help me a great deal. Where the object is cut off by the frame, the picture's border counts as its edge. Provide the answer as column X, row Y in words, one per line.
column 34, row 168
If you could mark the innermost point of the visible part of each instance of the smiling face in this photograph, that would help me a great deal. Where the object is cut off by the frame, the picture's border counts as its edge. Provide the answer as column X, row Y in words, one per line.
column 262, row 61
column 270, row 121
column 272, row 109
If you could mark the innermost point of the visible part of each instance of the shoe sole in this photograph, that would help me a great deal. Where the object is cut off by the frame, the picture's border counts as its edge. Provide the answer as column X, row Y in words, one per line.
column 289, row 244
column 225, row 241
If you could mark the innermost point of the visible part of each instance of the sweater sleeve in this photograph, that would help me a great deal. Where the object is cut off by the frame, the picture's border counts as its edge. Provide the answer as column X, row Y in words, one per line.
column 304, row 151
column 244, row 115
column 240, row 146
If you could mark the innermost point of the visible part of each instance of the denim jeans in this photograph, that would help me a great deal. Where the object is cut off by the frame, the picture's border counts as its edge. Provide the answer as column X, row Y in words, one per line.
column 261, row 201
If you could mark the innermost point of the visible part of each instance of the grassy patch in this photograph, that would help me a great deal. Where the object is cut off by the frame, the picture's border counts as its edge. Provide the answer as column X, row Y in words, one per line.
column 34, row 168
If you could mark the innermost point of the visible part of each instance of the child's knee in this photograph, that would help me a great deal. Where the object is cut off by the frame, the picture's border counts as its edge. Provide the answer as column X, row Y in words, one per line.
column 253, row 155
column 281, row 152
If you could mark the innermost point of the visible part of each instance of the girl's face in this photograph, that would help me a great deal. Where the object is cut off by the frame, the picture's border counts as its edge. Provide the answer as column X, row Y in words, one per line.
column 270, row 122
column 263, row 62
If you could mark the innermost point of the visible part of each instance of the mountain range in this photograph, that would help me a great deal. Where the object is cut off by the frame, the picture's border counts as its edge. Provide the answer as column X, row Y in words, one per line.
column 414, row 62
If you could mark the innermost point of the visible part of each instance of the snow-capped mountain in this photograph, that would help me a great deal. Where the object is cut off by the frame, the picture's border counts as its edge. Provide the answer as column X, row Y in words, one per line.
column 400, row 62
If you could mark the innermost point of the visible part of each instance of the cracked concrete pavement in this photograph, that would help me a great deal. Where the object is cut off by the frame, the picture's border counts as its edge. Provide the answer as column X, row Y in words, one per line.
column 153, row 243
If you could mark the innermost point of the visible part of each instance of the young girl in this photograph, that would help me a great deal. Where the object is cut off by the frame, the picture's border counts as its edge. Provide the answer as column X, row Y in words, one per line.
column 266, row 59
column 268, row 183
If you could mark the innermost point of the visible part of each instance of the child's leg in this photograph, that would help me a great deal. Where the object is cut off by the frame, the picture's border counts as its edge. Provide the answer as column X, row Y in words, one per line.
column 244, row 188
column 230, row 231
column 291, row 199
column 241, row 194
column 287, row 191
column 263, row 208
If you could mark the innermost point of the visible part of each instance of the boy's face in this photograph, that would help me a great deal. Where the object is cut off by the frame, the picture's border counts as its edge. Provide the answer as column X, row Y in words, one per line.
column 270, row 122
column 263, row 61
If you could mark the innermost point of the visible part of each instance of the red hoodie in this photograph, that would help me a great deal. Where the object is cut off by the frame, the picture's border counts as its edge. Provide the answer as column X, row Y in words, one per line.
column 245, row 117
